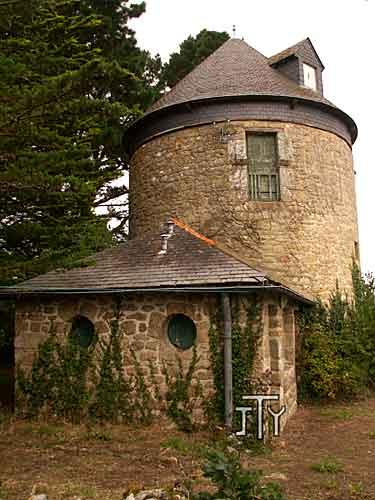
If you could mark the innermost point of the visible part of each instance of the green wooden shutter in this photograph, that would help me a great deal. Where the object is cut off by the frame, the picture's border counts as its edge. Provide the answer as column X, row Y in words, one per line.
column 263, row 167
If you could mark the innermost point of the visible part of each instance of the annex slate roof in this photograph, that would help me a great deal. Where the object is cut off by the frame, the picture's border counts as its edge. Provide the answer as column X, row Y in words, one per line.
column 234, row 69
column 295, row 50
column 191, row 260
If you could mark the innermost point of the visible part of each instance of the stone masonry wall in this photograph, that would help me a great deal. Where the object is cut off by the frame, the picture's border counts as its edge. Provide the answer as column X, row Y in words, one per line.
column 306, row 240
column 143, row 319
column 276, row 352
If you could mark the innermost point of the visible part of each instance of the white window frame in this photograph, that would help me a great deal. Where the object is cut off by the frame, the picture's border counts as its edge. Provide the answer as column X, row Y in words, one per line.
column 310, row 79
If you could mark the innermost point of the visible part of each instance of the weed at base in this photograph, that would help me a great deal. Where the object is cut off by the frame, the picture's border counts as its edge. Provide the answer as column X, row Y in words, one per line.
column 328, row 465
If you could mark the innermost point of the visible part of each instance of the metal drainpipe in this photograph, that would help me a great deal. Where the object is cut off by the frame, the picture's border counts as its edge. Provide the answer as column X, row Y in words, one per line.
column 228, row 378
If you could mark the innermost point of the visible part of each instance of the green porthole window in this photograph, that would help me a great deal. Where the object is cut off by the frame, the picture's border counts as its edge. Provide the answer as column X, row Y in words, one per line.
column 181, row 331
column 83, row 331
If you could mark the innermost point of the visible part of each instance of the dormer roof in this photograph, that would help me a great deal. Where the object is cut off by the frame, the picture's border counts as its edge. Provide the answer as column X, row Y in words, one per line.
column 303, row 49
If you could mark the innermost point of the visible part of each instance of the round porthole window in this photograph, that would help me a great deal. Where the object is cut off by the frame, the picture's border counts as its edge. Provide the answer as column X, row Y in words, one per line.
column 83, row 331
column 182, row 331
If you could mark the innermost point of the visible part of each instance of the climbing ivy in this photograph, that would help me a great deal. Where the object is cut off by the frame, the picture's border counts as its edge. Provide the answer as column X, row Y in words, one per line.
column 57, row 382
column 112, row 390
column 69, row 381
column 142, row 401
column 182, row 394
column 246, row 331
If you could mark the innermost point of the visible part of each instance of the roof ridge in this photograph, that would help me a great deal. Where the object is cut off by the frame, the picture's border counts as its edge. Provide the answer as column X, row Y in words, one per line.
column 218, row 246
column 192, row 231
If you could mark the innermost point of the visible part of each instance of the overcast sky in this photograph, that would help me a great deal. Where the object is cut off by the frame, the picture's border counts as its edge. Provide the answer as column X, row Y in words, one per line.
column 343, row 33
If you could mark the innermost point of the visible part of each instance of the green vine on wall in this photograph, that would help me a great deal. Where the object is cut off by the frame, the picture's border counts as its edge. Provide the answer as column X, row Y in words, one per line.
column 75, row 383
column 57, row 381
column 182, row 394
column 246, row 332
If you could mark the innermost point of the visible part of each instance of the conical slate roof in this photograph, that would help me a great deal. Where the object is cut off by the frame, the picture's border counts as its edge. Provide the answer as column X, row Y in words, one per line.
column 235, row 69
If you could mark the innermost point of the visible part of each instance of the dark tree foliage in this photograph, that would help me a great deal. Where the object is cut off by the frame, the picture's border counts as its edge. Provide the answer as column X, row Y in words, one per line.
column 70, row 83
column 72, row 78
column 192, row 52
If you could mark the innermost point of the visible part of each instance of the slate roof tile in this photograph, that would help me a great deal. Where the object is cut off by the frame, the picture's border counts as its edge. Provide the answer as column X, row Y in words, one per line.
column 234, row 69
column 294, row 50
column 191, row 259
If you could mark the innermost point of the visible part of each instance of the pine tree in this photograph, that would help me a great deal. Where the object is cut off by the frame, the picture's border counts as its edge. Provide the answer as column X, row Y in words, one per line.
column 117, row 42
column 192, row 51
column 67, row 93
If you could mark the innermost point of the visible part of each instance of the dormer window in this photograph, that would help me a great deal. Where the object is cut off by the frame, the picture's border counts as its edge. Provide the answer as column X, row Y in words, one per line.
column 309, row 76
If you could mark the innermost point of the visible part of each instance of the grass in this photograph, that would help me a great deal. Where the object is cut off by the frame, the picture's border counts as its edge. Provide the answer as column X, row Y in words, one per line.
column 99, row 435
column 3, row 494
column 329, row 465
column 330, row 484
column 356, row 488
column 160, row 455
column 80, row 491
column 255, row 447
column 48, row 435
column 337, row 413
column 185, row 447
column 48, row 431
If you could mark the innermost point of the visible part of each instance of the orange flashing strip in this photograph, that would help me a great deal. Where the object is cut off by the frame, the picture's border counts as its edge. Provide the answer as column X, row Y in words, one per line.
column 188, row 229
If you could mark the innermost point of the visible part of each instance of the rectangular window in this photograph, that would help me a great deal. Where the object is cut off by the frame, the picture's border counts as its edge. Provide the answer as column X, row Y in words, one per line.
column 309, row 76
column 263, row 166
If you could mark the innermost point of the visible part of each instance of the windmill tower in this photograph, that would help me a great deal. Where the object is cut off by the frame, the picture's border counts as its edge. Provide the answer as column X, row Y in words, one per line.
column 247, row 150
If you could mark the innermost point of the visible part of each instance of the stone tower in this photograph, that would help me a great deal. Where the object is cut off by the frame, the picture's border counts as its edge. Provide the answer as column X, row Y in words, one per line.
column 248, row 151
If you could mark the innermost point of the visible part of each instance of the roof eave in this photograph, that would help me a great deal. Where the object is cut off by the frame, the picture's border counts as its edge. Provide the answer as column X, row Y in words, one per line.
column 352, row 127
column 316, row 53
column 14, row 293
column 276, row 62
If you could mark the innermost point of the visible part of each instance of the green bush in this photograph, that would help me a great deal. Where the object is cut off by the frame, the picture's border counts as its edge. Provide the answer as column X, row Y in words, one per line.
column 338, row 344
column 235, row 483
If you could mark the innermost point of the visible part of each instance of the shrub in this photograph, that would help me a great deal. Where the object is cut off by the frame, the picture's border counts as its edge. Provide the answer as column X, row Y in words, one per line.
column 328, row 465
column 233, row 482
column 111, row 395
column 338, row 344
column 57, row 382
